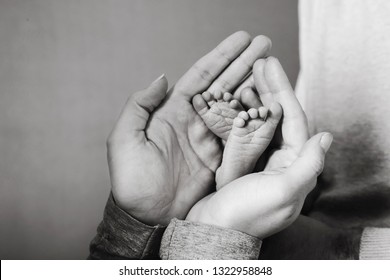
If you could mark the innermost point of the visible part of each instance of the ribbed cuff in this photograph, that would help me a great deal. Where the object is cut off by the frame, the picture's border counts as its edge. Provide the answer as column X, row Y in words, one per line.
column 375, row 244
column 120, row 236
column 194, row 241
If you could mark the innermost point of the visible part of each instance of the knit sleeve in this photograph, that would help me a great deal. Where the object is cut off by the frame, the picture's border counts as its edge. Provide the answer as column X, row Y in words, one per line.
column 189, row 240
column 375, row 244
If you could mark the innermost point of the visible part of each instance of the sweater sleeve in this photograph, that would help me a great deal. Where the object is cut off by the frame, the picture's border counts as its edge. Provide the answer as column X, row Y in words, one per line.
column 120, row 236
column 188, row 240
column 375, row 244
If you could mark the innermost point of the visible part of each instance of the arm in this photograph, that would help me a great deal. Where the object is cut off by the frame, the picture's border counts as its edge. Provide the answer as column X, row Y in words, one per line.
column 191, row 241
column 259, row 204
column 120, row 236
column 230, row 223
column 161, row 127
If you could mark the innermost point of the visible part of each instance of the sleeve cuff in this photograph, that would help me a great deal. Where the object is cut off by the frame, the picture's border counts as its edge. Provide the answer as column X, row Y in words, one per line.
column 121, row 236
column 375, row 244
column 188, row 240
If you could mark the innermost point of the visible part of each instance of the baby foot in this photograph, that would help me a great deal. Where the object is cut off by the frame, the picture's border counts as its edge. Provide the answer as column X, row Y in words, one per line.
column 217, row 112
column 251, row 134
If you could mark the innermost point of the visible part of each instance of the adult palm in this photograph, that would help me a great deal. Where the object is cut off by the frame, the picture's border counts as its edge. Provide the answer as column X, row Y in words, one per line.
column 162, row 157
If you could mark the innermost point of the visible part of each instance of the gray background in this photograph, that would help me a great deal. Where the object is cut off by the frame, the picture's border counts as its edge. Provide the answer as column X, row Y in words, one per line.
column 66, row 69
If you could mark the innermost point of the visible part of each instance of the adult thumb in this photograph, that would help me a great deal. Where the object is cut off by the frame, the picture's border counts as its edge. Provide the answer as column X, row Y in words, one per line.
column 139, row 106
column 310, row 162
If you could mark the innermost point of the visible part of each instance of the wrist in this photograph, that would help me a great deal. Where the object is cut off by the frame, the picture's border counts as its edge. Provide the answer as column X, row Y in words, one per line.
column 150, row 220
column 209, row 211
column 203, row 212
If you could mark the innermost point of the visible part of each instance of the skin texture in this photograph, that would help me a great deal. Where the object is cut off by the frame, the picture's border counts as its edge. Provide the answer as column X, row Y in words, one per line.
column 161, row 156
column 312, row 239
column 263, row 203
column 251, row 134
column 273, row 86
column 217, row 112
column 163, row 160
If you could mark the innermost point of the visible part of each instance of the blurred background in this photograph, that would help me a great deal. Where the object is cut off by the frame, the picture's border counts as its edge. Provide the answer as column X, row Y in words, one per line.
column 66, row 70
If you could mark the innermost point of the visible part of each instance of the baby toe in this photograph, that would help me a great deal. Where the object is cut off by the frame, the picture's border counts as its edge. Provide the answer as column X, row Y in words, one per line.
column 207, row 96
column 238, row 122
column 227, row 96
column 218, row 95
column 243, row 115
column 235, row 104
column 253, row 113
column 263, row 112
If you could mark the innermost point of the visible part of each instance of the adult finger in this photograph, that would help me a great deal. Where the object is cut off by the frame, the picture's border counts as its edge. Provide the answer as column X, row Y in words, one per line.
column 201, row 75
column 282, row 91
column 241, row 66
column 273, row 85
column 309, row 164
column 261, row 83
column 295, row 130
column 134, row 117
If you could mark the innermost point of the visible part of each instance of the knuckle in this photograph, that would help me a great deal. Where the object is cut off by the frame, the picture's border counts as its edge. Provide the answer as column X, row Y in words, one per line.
column 247, row 63
column 180, row 88
column 203, row 73
column 224, row 85
column 290, row 212
column 222, row 54
column 135, row 96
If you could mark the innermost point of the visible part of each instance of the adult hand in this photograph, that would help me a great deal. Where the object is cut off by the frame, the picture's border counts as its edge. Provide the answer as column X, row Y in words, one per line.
column 162, row 157
column 261, row 204
column 273, row 85
column 312, row 238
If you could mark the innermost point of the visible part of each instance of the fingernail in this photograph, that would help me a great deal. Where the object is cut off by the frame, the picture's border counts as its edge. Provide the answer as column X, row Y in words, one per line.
column 159, row 78
column 326, row 141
